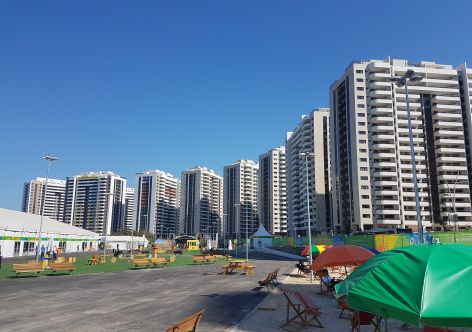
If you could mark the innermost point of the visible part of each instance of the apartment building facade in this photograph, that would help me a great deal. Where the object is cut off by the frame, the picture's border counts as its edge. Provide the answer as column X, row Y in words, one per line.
column 35, row 190
column 201, row 201
column 95, row 202
column 272, row 191
column 129, row 208
column 311, row 136
column 240, row 204
column 156, row 203
column 372, row 176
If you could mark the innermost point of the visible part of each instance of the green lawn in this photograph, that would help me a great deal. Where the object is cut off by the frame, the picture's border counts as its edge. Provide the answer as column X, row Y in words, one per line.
column 82, row 266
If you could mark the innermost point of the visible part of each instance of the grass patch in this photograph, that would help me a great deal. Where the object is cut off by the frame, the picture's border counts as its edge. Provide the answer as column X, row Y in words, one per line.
column 82, row 266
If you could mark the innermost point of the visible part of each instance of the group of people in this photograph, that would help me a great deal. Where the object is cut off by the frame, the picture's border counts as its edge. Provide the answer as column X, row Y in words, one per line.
column 52, row 254
column 329, row 281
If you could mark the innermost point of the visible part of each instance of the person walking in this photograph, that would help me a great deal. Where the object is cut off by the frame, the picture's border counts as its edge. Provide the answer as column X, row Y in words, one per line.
column 43, row 250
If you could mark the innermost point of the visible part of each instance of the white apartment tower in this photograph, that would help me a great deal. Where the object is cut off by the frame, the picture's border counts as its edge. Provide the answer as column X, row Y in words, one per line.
column 311, row 136
column 129, row 208
column 272, row 191
column 95, row 201
column 201, row 201
column 34, row 191
column 240, row 198
column 156, row 203
column 371, row 166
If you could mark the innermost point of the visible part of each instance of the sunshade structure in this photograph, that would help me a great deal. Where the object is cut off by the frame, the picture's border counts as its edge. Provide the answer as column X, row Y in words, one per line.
column 341, row 256
column 424, row 285
column 315, row 249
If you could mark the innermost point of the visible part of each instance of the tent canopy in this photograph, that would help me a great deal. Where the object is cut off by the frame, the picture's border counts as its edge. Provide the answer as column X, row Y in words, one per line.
column 262, row 233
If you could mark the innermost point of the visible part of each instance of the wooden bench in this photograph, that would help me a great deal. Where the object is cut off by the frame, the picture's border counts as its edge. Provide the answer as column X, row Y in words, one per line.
column 158, row 261
column 189, row 324
column 143, row 262
column 199, row 260
column 93, row 260
column 249, row 269
column 27, row 268
column 68, row 267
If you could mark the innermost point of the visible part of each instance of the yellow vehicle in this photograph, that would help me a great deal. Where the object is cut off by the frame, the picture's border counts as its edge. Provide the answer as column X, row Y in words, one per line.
column 193, row 245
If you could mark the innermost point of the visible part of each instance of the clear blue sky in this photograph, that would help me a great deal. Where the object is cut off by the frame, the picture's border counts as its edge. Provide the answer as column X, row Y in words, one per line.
column 129, row 86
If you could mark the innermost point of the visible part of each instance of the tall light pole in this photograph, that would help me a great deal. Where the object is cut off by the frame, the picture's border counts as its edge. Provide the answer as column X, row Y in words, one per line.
column 238, row 229
column 402, row 81
column 223, row 231
column 307, row 155
column 247, row 240
column 453, row 200
column 109, row 196
column 49, row 160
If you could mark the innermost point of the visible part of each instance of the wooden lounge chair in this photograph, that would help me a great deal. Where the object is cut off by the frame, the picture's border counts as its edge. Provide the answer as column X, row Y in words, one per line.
column 34, row 268
column 141, row 262
column 189, row 324
column 306, row 312
column 329, row 288
column 342, row 304
column 159, row 261
column 266, row 282
column 66, row 267
column 199, row 259
column 172, row 259
column 360, row 318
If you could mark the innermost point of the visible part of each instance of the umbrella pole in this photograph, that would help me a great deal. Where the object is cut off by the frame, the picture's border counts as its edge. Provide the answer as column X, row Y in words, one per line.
column 345, row 270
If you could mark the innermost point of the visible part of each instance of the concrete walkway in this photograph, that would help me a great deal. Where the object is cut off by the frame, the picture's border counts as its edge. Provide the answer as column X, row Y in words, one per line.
column 270, row 314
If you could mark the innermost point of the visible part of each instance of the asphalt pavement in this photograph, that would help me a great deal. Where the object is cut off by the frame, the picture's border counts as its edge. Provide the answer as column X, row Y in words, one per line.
column 131, row 300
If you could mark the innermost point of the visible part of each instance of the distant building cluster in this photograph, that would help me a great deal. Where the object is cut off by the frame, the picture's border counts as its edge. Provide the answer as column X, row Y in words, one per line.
column 351, row 162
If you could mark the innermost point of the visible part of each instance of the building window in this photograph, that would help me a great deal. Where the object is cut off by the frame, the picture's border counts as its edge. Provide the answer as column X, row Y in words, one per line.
column 362, row 141
column 364, row 169
column 361, row 132
column 366, row 216
column 361, row 123
column 365, row 196
column 365, row 206
column 364, row 178
column 360, row 88
column 16, row 248
column 360, row 105
column 363, row 150
column 360, row 97
column 362, row 115
column 364, row 159
column 358, row 71
column 365, row 187
column 359, row 80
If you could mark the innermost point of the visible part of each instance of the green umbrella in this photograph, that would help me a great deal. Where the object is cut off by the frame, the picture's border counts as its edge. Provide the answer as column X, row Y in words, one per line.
column 424, row 285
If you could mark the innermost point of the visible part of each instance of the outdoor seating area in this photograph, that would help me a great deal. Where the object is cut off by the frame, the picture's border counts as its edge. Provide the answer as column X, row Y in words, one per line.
column 203, row 259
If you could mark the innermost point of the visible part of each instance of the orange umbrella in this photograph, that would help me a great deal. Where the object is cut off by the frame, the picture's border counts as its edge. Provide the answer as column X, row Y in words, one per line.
column 341, row 256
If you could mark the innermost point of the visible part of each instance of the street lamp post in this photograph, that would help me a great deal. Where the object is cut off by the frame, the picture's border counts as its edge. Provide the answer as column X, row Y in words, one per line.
column 453, row 200
column 402, row 81
column 223, row 231
column 49, row 160
column 105, row 224
column 307, row 155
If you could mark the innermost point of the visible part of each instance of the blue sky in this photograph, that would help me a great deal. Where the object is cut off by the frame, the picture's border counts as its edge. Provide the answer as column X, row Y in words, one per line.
column 129, row 86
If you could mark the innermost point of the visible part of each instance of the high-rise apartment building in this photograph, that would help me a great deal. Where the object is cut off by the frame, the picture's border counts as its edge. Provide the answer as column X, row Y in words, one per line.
column 372, row 176
column 95, row 201
column 156, row 203
column 311, row 136
column 201, row 201
column 33, row 193
column 240, row 198
column 129, row 208
column 272, row 192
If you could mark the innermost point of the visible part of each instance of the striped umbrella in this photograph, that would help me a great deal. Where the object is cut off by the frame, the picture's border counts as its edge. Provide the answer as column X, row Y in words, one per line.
column 315, row 249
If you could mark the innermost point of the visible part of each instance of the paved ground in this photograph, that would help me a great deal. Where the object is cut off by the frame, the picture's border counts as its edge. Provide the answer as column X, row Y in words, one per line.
column 147, row 300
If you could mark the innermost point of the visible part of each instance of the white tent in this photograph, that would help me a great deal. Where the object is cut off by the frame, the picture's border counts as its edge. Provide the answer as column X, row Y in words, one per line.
column 262, row 238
